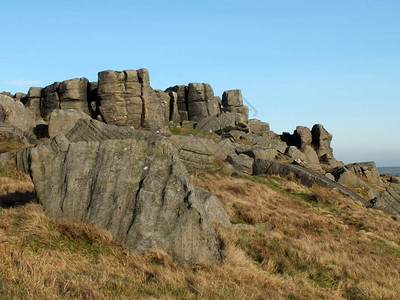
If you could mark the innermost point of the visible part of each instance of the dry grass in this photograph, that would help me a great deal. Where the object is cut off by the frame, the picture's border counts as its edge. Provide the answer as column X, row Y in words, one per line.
column 320, row 241
column 303, row 244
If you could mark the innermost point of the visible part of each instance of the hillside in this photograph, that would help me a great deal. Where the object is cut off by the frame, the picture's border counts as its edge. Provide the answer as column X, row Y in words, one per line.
column 114, row 190
column 289, row 242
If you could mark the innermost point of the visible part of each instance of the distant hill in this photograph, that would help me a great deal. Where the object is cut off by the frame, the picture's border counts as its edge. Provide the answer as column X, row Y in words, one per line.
column 389, row 170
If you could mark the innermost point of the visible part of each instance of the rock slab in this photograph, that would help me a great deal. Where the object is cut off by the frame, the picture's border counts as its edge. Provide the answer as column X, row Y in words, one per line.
column 137, row 189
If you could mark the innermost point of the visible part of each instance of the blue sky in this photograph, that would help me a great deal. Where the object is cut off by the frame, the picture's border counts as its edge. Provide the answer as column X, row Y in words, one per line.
column 298, row 62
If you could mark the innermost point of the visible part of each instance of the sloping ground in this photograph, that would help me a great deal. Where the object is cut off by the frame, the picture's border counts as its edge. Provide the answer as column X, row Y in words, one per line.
column 291, row 242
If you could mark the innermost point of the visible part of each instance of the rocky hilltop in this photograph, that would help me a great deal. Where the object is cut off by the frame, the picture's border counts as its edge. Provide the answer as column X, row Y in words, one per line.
column 116, row 153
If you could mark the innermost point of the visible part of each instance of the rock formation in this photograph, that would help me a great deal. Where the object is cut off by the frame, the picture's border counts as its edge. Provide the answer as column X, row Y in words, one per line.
column 315, row 144
column 136, row 189
column 99, row 168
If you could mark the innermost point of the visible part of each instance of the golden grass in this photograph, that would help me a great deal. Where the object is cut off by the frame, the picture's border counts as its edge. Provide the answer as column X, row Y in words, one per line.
column 292, row 242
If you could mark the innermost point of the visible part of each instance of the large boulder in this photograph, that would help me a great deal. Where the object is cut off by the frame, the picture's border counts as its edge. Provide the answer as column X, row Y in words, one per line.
column 73, row 94
column 257, row 127
column 61, row 121
column 14, row 113
column 200, row 101
column 232, row 101
column 137, row 189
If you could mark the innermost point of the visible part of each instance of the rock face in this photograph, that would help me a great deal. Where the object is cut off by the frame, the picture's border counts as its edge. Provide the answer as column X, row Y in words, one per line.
column 69, row 94
column 32, row 100
column 14, row 113
column 200, row 101
column 126, row 98
column 61, row 121
column 136, row 189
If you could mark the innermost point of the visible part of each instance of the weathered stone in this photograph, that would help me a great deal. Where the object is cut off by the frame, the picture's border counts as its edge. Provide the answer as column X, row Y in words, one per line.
column 321, row 141
column 137, row 190
column 13, row 133
column 266, row 141
column 389, row 200
column 62, row 121
column 222, row 123
column 49, row 100
column 19, row 96
column 261, row 153
column 174, row 115
column 32, row 100
column 232, row 98
column 15, row 114
column 257, row 127
column 181, row 92
column 126, row 98
column 311, row 158
column 366, row 171
column 294, row 153
column 165, row 101
column 73, row 94
column 120, row 97
column 195, row 153
column 232, row 102
column 241, row 162
column 200, row 101
column 213, row 207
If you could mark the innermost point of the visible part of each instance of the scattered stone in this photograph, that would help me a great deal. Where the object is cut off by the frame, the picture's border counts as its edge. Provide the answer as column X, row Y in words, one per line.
column 304, row 175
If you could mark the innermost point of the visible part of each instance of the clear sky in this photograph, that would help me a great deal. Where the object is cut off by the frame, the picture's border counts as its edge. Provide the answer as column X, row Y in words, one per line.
column 298, row 62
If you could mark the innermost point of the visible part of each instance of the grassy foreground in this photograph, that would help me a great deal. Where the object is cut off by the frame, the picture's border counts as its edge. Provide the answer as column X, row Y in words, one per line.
column 289, row 242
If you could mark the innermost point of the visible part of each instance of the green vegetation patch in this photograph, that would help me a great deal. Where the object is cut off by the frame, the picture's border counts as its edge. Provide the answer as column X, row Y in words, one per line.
column 10, row 145
column 195, row 132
